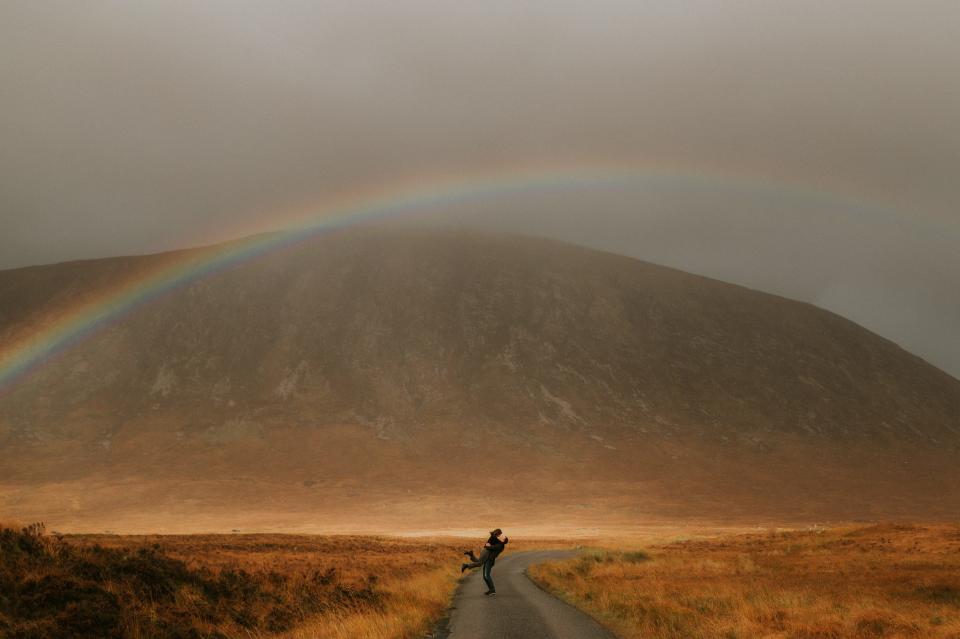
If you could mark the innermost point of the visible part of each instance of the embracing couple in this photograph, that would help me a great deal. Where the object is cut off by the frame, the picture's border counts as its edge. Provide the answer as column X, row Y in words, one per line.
column 488, row 557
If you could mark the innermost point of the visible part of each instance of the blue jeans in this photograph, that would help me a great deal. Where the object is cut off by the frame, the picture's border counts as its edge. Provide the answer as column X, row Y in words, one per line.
column 487, row 567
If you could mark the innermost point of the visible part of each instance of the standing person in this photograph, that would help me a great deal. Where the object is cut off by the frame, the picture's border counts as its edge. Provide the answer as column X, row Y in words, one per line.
column 488, row 557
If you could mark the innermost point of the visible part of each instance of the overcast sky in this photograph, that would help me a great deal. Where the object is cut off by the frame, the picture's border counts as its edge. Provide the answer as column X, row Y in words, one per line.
column 141, row 126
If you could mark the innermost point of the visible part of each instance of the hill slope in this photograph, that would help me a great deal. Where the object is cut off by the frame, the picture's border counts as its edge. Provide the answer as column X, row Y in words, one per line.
column 376, row 376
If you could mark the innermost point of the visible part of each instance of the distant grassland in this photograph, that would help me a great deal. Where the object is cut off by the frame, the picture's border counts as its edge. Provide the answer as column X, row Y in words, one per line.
column 200, row 586
column 854, row 582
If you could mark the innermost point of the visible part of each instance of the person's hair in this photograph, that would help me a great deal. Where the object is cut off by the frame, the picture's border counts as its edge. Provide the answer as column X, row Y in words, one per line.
column 496, row 531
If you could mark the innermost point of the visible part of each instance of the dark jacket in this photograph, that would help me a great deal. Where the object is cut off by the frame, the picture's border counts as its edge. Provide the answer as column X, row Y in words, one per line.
column 495, row 546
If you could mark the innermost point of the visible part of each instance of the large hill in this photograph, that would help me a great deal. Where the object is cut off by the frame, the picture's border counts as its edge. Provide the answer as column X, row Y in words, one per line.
column 383, row 377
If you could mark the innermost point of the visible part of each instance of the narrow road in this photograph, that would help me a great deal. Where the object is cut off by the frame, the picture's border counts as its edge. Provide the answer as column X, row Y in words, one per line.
column 520, row 609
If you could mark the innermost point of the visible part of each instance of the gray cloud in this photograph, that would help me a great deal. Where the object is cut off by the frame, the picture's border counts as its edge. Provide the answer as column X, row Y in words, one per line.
column 139, row 126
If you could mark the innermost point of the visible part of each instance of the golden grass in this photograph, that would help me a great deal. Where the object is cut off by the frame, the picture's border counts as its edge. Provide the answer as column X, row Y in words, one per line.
column 413, row 579
column 862, row 582
column 278, row 586
column 412, row 607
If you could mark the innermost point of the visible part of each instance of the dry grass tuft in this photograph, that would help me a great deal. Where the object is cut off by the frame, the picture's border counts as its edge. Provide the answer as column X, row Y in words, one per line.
column 869, row 582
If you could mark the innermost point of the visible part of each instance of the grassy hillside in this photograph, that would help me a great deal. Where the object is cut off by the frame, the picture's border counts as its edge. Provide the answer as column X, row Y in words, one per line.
column 361, row 374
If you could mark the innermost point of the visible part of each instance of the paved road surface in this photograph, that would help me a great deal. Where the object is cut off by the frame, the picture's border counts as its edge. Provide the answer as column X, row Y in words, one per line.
column 520, row 610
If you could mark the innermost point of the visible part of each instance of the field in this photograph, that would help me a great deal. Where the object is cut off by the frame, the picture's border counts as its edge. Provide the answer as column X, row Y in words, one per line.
column 225, row 586
column 199, row 586
column 852, row 582
column 844, row 583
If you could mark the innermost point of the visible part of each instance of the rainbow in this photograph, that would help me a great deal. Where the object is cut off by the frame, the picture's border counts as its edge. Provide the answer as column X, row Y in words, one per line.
column 44, row 342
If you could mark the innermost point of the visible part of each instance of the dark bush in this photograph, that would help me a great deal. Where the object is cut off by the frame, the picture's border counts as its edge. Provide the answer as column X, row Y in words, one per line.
column 280, row 619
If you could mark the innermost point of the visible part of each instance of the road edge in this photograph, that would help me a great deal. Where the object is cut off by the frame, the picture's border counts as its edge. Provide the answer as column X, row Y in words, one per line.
column 564, row 600
column 441, row 627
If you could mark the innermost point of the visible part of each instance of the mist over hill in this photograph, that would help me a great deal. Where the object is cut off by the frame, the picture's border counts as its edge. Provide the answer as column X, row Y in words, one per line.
column 382, row 378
